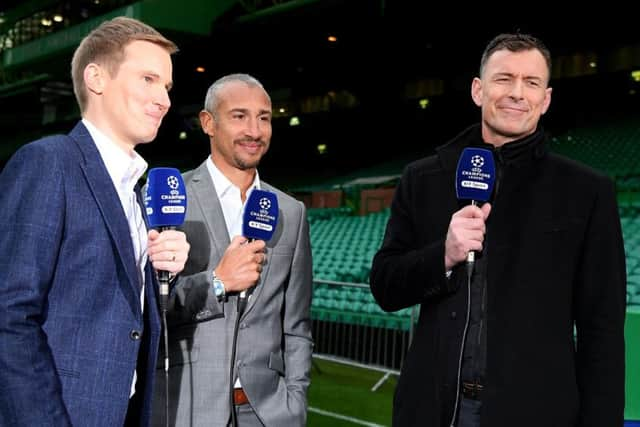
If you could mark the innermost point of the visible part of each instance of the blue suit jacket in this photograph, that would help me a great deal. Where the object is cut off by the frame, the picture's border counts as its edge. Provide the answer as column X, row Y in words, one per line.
column 70, row 316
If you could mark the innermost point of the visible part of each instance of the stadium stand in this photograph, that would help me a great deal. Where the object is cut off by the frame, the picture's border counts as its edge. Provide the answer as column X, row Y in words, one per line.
column 613, row 148
column 348, row 323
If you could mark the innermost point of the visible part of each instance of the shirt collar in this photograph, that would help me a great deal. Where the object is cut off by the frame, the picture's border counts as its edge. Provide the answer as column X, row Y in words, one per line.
column 124, row 169
column 222, row 183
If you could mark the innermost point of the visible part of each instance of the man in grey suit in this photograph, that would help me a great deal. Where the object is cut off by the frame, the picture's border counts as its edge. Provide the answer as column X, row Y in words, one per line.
column 274, row 345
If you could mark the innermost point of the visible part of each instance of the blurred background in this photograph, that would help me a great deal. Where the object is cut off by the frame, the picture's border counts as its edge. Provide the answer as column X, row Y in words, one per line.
column 359, row 88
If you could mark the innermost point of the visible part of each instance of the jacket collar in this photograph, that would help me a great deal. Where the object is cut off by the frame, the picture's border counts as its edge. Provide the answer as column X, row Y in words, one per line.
column 518, row 152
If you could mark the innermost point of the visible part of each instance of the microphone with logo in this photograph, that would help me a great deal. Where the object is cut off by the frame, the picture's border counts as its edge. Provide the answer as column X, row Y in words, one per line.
column 259, row 222
column 475, row 178
column 165, row 200
column 166, row 205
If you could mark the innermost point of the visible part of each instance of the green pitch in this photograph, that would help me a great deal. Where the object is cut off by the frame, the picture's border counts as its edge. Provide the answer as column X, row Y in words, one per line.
column 346, row 391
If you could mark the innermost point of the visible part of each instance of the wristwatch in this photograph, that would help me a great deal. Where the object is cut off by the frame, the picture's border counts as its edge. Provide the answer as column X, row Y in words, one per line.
column 218, row 287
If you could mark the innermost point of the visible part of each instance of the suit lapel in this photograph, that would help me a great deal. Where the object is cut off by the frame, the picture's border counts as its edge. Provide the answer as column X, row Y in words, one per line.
column 106, row 196
column 205, row 198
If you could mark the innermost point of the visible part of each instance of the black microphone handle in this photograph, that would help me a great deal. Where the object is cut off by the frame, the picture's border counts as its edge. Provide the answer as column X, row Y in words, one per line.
column 471, row 255
column 163, row 278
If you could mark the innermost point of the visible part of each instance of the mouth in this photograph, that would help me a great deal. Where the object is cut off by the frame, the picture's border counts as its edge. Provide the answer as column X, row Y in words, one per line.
column 513, row 109
column 252, row 147
column 156, row 117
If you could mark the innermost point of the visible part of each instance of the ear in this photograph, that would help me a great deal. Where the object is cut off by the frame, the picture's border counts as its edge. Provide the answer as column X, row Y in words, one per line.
column 476, row 91
column 547, row 100
column 94, row 78
column 207, row 122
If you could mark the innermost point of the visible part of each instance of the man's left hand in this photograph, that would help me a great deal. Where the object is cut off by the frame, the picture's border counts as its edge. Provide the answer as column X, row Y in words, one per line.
column 168, row 250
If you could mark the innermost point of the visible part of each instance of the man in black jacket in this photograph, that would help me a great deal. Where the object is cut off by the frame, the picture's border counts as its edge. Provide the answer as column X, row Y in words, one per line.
column 498, row 349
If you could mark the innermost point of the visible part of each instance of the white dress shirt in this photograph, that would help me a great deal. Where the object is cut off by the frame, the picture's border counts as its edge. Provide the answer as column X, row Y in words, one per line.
column 230, row 198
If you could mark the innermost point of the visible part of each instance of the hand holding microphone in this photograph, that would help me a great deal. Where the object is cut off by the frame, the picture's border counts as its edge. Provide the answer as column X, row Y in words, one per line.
column 241, row 264
column 475, row 178
column 166, row 204
column 465, row 233
column 168, row 250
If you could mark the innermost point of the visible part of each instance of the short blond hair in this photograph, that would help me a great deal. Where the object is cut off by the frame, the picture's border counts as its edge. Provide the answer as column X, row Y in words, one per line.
column 105, row 45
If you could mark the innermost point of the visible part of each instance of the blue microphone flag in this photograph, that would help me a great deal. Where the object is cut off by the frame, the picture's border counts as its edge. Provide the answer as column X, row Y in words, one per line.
column 476, row 175
column 260, row 215
column 165, row 199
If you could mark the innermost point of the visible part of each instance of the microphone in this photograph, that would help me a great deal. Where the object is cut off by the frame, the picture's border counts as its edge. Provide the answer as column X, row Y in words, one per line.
column 475, row 177
column 259, row 221
column 165, row 200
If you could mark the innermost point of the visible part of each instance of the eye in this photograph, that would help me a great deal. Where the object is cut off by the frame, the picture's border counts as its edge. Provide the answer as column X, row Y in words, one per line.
column 237, row 116
column 148, row 79
column 266, row 119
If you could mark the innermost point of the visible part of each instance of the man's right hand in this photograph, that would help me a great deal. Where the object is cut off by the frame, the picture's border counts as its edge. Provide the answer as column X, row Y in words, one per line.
column 465, row 233
column 241, row 264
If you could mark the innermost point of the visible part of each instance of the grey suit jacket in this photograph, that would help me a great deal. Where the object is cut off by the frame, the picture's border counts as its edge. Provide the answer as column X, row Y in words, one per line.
column 274, row 347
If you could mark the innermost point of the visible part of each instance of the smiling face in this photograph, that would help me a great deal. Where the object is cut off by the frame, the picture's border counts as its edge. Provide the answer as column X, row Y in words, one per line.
column 512, row 93
column 128, row 103
column 240, row 128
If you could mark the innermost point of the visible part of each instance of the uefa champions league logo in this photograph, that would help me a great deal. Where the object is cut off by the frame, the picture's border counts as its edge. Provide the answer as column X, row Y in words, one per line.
column 477, row 161
column 475, row 174
column 265, row 203
column 173, row 182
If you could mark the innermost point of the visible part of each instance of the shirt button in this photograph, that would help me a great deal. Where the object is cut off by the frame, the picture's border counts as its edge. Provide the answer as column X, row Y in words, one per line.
column 135, row 335
column 453, row 314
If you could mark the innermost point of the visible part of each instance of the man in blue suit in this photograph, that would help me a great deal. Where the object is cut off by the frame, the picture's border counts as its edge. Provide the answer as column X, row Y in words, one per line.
column 79, row 325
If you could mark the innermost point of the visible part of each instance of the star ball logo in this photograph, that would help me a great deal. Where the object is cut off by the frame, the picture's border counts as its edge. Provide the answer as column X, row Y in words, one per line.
column 173, row 182
column 265, row 203
column 477, row 161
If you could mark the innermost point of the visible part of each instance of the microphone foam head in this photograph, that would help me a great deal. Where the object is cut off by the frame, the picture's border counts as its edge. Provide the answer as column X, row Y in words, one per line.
column 476, row 175
column 165, row 199
column 260, row 215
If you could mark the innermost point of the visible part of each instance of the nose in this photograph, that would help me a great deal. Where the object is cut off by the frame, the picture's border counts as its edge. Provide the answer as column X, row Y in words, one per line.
column 516, row 89
column 163, row 100
column 254, row 128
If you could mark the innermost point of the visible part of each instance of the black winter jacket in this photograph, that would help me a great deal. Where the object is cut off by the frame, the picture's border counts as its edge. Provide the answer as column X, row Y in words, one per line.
column 556, row 259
